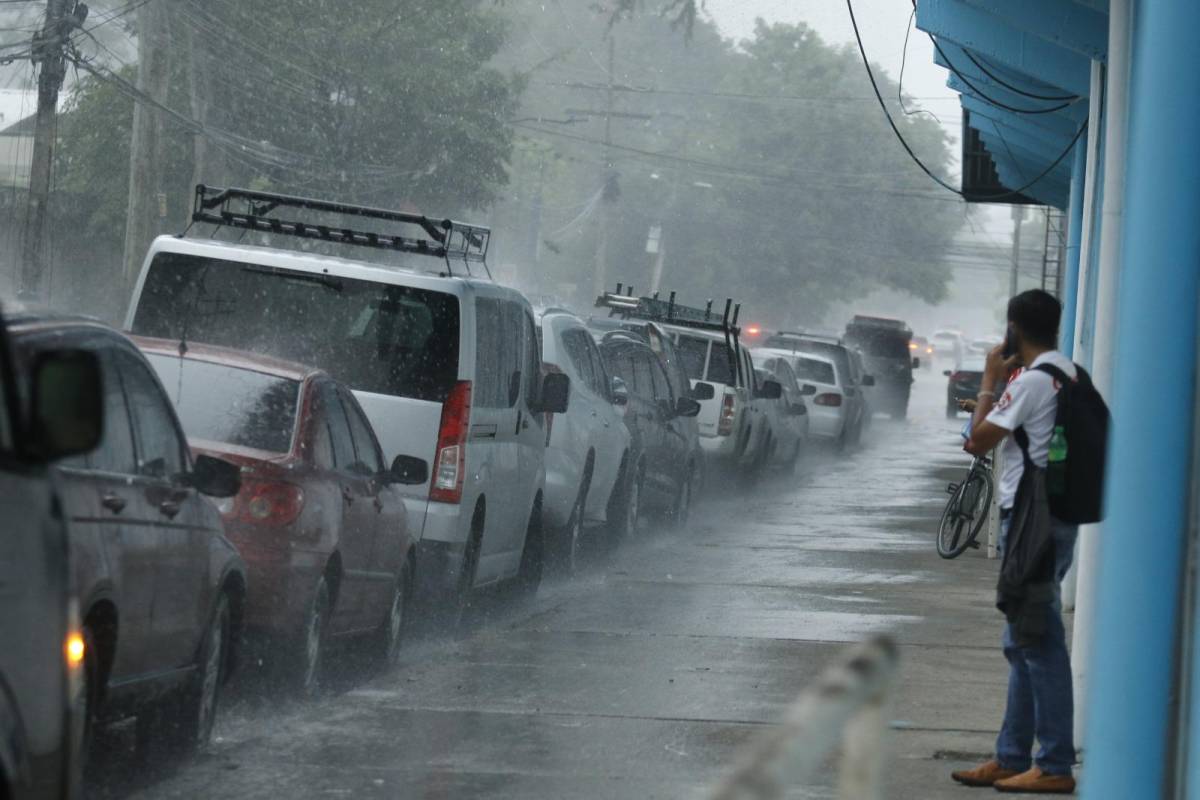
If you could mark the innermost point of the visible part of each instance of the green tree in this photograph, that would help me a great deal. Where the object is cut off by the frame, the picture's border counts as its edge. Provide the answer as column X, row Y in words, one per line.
column 769, row 167
column 387, row 102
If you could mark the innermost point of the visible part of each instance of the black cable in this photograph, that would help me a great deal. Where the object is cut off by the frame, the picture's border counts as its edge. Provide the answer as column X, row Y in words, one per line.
column 980, row 198
column 983, row 95
column 1018, row 90
column 900, row 82
column 1001, row 81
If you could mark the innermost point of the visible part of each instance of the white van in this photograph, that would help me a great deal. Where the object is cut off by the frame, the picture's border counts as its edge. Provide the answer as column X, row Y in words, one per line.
column 447, row 368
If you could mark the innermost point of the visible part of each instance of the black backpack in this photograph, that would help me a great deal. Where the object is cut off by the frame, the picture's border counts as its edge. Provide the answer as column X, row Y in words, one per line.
column 1084, row 418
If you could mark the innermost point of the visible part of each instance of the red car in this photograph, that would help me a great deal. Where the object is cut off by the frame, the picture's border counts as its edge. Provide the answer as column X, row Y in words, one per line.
column 319, row 520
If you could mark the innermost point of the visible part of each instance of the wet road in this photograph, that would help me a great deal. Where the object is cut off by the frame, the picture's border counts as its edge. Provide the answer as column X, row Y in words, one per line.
column 644, row 677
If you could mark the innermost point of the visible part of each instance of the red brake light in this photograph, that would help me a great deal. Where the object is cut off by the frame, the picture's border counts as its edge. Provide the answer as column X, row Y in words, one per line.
column 830, row 400
column 270, row 504
column 450, row 464
column 728, row 412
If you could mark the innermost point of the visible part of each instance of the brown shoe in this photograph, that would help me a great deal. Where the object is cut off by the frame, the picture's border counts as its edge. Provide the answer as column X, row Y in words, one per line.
column 983, row 775
column 1037, row 782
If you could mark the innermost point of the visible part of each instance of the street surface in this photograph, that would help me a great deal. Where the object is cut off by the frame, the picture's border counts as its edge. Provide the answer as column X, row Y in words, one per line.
column 644, row 678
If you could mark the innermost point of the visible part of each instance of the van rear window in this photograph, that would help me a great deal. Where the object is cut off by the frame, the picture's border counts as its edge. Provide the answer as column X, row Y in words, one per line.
column 374, row 337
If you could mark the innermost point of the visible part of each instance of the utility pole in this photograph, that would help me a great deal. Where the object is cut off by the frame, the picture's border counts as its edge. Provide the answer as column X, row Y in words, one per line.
column 144, row 219
column 49, row 46
column 1018, row 215
column 609, row 196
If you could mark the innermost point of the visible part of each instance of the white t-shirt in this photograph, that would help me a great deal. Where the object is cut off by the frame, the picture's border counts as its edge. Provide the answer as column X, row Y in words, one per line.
column 1031, row 399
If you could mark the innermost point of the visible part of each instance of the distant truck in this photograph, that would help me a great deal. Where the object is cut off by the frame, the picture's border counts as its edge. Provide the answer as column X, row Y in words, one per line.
column 884, row 344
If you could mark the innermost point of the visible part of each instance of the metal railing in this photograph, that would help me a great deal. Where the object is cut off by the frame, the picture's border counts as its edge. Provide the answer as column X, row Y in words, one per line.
column 847, row 706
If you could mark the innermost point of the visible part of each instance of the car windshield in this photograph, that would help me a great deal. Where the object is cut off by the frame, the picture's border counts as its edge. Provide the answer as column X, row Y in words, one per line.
column 881, row 343
column 374, row 337
column 810, row 369
column 230, row 405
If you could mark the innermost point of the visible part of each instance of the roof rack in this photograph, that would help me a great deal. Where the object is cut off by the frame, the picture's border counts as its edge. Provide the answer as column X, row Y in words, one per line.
column 669, row 312
column 252, row 210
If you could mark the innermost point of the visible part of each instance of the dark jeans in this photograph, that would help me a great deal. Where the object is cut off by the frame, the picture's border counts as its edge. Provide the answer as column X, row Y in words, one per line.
column 1040, row 695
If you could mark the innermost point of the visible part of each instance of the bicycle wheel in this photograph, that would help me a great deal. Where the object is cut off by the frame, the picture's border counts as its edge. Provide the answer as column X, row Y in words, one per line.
column 965, row 513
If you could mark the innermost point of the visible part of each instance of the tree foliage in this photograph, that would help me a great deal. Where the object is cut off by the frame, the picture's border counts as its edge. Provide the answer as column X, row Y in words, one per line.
column 378, row 101
column 767, row 164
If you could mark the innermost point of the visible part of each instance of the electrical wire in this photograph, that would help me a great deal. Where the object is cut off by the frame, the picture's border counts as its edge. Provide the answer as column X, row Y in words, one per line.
column 1017, row 89
column 900, row 82
column 984, row 96
column 978, row 197
column 1001, row 81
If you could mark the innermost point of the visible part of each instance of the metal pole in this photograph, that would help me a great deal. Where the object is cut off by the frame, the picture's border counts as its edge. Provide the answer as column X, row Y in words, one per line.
column 1070, row 283
column 1084, row 294
column 600, row 277
column 1018, row 215
column 1133, row 691
column 48, row 55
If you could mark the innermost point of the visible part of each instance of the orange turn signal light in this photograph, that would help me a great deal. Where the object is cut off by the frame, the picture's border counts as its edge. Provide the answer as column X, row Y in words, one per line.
column 75, row 649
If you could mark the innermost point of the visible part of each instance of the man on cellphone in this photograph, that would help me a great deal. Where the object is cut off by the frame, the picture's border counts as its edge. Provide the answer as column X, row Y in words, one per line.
column 1040, row 694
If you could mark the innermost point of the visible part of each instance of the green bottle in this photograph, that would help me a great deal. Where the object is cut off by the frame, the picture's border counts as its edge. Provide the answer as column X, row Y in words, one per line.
column 1056, row 467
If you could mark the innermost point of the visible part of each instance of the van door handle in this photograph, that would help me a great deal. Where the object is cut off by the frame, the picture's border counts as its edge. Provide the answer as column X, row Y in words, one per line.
column 114, row 503
column 169, row 508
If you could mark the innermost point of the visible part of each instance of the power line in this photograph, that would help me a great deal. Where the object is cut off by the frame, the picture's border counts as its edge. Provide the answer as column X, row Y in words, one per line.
column 984, row 96
column 982, row 198
column 1018, row 90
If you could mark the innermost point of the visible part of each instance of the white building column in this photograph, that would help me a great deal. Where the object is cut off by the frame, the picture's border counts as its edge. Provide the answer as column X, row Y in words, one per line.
column 1107, row 276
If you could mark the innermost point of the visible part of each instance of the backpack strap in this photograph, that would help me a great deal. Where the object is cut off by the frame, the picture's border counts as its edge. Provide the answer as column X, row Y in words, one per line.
column 1063, row 378
column 1022, row 440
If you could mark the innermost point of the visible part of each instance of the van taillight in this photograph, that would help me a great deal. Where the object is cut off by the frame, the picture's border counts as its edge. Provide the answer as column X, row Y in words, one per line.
column 728, row 412
column 831, row 400
column 268, row 503
column 450, row 465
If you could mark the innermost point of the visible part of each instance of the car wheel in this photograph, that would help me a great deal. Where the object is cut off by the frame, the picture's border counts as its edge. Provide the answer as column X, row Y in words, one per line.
column 186, row 722
column 683, row 501
column 529, row 576
column 391, row 631
column 313, row 641
column 91, row 695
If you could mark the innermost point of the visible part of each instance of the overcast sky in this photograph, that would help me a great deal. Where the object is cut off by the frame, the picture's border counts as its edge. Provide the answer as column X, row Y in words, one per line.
column 882, row 22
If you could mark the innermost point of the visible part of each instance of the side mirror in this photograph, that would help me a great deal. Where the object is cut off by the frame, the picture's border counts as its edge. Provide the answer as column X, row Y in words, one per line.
column 620, row 392
column 868, row 380
column 215, row 477
column 556, row 393
column 67, row 411
column 808, row 390
column 770, row 390
column 408, row 470
column 916, row 363
column 703, row 391
column 687, row 406
column 947, row 373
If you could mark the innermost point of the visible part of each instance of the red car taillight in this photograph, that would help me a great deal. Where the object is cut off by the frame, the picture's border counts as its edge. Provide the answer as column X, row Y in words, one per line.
column 450, row 465
column 831, row 400
column 272, row 504
column 728, row 412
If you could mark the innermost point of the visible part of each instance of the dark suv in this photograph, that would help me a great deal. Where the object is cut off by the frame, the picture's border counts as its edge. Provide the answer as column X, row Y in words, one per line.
column 41, row 664
column 161, row 590
column 663, row 443
column 884, row 344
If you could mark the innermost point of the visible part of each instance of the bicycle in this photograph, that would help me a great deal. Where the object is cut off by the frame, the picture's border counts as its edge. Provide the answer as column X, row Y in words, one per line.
column 967, row 510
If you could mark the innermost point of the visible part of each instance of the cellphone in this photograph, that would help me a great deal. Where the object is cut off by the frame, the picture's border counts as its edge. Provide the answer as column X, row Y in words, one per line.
column 1010, row 344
